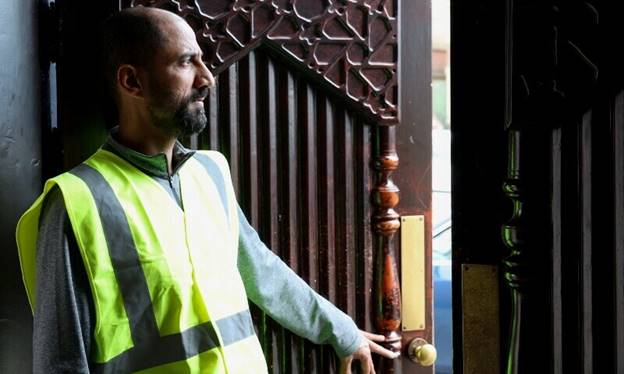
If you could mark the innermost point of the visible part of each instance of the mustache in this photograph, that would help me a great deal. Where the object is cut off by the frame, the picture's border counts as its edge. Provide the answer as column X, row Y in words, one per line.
column 200, row 94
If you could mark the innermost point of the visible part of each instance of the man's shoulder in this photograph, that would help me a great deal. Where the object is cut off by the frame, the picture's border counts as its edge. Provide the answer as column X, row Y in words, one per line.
column 210, row 156
column 76, row 169
column 216, row 155
column 53, row 200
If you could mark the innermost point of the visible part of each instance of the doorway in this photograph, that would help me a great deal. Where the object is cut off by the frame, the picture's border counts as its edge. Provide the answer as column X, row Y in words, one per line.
column 441, row 185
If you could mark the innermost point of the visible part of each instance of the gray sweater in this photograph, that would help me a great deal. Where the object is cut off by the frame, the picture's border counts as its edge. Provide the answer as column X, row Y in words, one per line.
column 64, row 314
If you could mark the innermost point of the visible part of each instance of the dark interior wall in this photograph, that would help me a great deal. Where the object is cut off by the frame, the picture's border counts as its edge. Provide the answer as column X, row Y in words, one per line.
column 20, row 171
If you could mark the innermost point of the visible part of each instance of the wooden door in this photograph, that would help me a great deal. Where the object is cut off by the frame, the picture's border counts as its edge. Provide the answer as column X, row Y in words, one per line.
column 314, row 106
column 538, row 108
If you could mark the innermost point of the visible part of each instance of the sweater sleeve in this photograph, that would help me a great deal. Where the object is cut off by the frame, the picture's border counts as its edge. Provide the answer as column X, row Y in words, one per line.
column 62, row 326
column 279, row 291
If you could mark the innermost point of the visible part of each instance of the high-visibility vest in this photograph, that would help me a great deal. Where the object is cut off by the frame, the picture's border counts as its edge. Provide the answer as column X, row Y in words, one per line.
column 166, row 289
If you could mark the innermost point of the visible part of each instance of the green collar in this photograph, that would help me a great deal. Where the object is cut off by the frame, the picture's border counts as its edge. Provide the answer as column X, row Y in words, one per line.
column 155, row 165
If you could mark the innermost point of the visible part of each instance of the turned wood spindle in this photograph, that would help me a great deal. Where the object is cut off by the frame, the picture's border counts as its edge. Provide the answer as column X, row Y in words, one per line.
column 385, row 224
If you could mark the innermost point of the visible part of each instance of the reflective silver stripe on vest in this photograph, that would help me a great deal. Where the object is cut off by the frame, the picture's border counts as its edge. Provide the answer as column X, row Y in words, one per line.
column 217, row 177
column 150, row 349
column 164, row 350
column 124, row 256
column 236, row 327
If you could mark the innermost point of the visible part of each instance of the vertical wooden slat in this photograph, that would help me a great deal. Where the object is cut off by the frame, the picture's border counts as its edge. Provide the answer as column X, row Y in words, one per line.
column 270, row 137
column 345, row 245
column 327, row 253
column 193, row 141
column 251, row 187
column 290, row 157
column 556, row 251
column 350, row 182
column 340, row 208
column 254, row 204
column 326, row 198
column 292, row 180
column 281, row 128
column 287, row 176
column 212, row 141
column 364, row 255
column 263, row 110
column 308, row 171
column 306, row 119
column 586, row 244
column 603, row 246
column 249, row 138
column 272, row 197
column 571, row 251
column 618, row 225
column 231, row 116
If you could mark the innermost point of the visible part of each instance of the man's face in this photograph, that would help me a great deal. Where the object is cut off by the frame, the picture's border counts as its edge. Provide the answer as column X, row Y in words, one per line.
column 177, row 82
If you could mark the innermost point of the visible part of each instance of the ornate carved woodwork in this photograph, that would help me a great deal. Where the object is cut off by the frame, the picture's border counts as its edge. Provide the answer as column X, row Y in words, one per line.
column 350, row 48
column 349, row 45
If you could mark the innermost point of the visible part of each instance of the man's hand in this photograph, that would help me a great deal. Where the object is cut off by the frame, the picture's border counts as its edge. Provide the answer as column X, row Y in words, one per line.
column 363, row 354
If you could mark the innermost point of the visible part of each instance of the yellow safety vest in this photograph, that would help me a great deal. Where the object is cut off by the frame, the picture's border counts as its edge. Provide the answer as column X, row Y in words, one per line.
column 166, row 289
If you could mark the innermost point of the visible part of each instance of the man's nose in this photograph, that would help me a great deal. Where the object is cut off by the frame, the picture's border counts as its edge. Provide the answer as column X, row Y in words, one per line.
column 204, row 76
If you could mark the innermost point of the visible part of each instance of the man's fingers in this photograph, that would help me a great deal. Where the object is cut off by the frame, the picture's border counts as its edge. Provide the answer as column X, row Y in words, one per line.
column 345, row 365
column 373, row 337
column 366, row 364
column 374, row 347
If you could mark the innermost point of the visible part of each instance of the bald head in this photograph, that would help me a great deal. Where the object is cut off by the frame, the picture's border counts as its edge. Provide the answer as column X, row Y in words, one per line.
column 132, row 36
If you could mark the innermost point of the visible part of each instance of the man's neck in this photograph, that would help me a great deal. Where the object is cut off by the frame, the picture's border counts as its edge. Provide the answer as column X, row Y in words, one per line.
column 150, row 143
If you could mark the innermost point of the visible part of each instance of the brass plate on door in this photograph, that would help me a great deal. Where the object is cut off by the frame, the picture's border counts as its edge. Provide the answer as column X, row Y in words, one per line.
column 480, row 323
column 413, row 300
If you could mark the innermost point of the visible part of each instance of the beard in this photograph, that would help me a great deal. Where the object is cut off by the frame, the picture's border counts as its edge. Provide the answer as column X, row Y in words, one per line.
column 182, row 121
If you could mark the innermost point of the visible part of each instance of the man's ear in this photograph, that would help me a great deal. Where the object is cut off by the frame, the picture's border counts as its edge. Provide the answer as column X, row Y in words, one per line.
column 128, row 81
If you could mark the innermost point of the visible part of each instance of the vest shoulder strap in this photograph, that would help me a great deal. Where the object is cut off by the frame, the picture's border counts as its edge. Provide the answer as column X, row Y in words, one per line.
column 217, row 167
column 27, row 229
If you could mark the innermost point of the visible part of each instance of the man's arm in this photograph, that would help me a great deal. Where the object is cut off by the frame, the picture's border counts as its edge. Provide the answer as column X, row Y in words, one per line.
column 63, row 320
column 275, row 288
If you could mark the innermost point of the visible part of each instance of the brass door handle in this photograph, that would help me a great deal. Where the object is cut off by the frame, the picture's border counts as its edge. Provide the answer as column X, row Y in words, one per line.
column 422, row 352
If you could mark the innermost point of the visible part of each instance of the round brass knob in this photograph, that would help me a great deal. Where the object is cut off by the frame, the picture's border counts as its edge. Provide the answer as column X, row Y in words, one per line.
column 422, row 352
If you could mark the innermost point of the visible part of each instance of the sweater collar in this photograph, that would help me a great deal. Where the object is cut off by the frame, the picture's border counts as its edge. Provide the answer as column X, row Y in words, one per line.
column 155, row 165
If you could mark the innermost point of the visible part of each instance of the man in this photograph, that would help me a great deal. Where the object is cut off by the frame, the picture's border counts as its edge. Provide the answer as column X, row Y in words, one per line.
column 140, row 258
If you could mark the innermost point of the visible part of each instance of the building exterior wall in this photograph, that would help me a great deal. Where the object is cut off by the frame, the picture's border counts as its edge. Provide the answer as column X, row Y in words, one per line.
column 20, row 170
